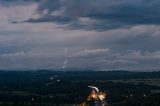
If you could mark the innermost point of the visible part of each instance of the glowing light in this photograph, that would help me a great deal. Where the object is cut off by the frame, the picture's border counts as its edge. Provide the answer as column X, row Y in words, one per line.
column 51, row 78
column 94, row 88
column 95, row 94
column 32, row 99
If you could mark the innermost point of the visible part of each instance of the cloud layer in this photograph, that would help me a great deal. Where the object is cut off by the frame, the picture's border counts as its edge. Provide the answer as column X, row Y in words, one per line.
column 99, row 34
column 98, row 14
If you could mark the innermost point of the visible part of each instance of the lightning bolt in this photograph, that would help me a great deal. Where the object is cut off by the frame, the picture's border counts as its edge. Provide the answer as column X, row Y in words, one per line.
column 66, row 60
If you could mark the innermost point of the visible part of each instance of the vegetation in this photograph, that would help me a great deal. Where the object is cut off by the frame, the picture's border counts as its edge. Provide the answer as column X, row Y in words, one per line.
column 53, row 88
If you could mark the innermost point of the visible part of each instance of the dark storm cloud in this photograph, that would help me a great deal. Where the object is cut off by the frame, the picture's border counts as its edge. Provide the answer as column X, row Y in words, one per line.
column 60, row 20
column 9, row 3
column 18, row 0
column 99, row 14
column 49, row 5
column 133, row 44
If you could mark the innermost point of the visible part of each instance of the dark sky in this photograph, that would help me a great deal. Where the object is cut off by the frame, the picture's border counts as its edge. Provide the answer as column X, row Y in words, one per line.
column 95, row 34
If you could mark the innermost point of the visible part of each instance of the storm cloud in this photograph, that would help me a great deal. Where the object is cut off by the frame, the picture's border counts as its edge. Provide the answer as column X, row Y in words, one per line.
column 98, row 34
column 99, row 14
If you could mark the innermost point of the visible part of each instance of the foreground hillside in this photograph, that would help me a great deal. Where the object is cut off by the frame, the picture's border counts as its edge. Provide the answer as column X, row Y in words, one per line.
column 49, row 88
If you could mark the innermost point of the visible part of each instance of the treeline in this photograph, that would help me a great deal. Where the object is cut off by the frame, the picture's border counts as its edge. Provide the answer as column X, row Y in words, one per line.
column 78, row 75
